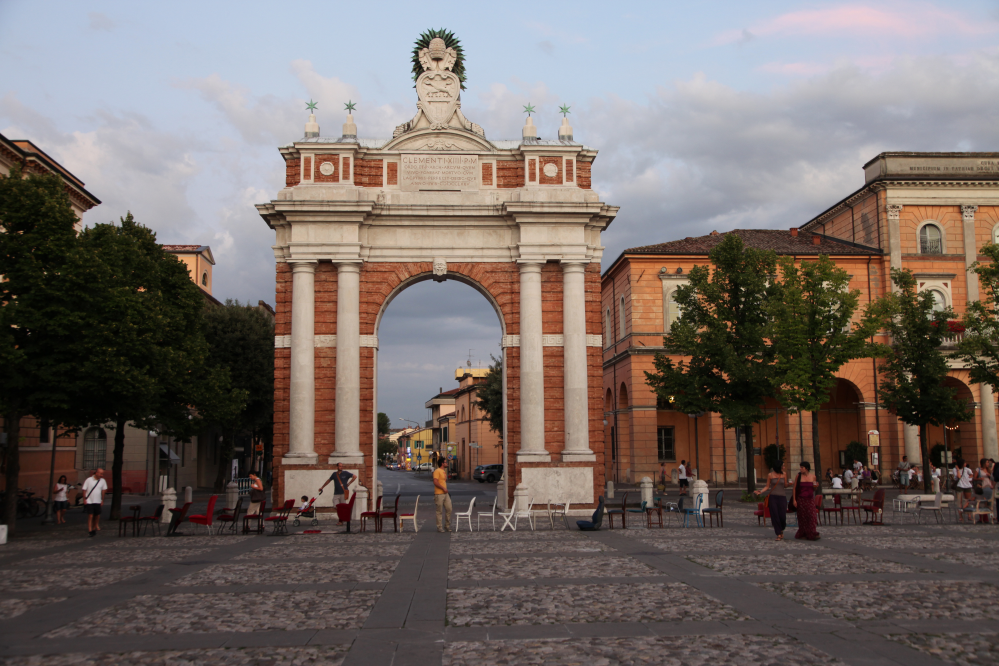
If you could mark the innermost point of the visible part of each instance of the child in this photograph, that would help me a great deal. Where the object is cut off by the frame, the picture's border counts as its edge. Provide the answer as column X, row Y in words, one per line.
column 305, row 504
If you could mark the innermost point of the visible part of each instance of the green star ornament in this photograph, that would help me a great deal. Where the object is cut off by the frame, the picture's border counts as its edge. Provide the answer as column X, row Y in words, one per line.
column 349, row 106
column 310, row 105
column 528, row 109
column 564, row 109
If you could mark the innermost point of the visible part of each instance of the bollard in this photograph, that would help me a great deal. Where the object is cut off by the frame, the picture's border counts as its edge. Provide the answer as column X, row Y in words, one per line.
column 610, row 490
column 361, row 503
column 169, row 499
column 381, row 493
column 231, row 494
column 3, row 534
column 646, row 486
column 699, row 488
column 188, row 494
column 936, row 485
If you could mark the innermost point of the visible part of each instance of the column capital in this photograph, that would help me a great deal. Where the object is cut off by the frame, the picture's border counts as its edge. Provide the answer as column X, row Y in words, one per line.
column 893, row 211
column 968, row 212
column 303, row 265
column 347, row 267
column 573, row 266
column 530, row 266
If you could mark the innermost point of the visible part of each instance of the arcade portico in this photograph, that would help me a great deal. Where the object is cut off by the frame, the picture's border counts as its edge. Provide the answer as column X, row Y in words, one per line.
column 359, row 220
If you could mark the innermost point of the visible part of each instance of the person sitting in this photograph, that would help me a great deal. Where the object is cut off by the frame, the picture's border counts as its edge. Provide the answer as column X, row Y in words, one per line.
column 837, row 482
column 847, row 476
column 305, row 504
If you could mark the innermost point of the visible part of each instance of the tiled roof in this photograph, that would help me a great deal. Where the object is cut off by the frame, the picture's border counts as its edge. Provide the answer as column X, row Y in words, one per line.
column 780, row 241
column 183, row 248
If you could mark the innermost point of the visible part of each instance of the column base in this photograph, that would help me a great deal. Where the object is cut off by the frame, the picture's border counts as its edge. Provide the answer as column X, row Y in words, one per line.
column 533, row 456
column 300, row 459
column 579, row 456
column 347, row 458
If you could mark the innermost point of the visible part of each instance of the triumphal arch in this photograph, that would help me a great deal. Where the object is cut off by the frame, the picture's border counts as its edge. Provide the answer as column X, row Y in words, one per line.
column 359, row 220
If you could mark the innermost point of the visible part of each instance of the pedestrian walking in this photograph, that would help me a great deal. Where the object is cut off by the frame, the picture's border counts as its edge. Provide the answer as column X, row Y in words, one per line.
column 804, row 500
column 682, row 472
column 965, row 483
column 60, row 503
column 662, row 475
column 777, row 484
column 256, row 495
column 341, row 479
column 442, row 498
column 93, row 500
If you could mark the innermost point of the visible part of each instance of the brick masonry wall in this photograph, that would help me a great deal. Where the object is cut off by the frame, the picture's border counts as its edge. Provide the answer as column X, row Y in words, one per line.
column 307, row 167
column 583, row 174
column 487, row 173
column 551, row 180
column 292, row 172
column 392, row 173
column 532, row 166
column 509, row 173
column 569, row 171
column 346, row 175
column 334, row 177
column 368, row 173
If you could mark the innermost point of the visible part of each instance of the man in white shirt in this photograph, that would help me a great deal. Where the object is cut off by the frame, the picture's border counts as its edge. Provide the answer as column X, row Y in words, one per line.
column 837, row 482
column 682, row 474
column 847, row 476
column 93, row 500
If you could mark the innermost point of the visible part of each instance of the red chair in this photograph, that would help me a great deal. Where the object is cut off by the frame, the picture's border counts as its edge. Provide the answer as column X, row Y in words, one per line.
column 205, row 518
column 376, row 514
column 762, row 513
column 344, row 511
column 230, row 516
column 259, row 517
column 177, row 518
column 852, row 510
column 874, row 508
column 280, row 519
column 153, row 520
column 393, row 514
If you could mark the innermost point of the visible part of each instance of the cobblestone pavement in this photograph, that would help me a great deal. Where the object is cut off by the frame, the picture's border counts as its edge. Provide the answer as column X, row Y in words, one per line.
column 901, row 594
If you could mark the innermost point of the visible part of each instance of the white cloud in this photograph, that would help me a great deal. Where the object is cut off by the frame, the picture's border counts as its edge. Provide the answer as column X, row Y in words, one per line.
column 100, row 22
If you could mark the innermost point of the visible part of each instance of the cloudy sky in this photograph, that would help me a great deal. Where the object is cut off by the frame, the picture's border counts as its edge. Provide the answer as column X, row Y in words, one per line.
column 707, row 115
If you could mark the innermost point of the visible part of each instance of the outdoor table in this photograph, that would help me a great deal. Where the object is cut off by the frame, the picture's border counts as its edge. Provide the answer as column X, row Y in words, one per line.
column 925, row 498
column 841, row 491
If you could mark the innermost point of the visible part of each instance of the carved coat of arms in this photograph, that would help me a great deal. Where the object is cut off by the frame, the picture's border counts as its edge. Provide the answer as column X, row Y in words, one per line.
column 439, row 90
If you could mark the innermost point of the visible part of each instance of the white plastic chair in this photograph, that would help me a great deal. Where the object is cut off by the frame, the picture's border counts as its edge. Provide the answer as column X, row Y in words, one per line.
column 528, row 514
column 509, row 520
column 561, row 509
column 546, row 512
column 935, row 507
column 403, row 517
column 491, row 514
column 465, row 514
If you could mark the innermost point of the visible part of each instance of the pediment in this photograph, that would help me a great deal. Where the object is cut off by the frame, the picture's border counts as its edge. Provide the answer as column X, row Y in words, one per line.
column 436, row 140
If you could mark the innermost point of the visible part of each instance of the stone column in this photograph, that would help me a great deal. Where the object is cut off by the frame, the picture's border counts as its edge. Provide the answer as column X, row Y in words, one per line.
column 970, row 249
column 575, row 366
column 532, row 375
column 302, row 393
column 990, row 447
column 348, row 366
column 910, row 435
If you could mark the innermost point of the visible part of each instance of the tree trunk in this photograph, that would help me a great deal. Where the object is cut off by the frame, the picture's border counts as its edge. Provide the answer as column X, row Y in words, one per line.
column 225, row 463
column 117, row 462
column 750, row 464
column 924, row 449
column 12, row 424
column 816, row 451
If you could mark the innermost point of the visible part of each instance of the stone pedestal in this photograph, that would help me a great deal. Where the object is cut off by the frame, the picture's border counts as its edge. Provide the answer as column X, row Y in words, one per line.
column 699, row 488
column 646, row 486
column 169, row 499
column 610, row 491
column 361, row 503
column 188, row 494
column 3, row 534
column 231, row 494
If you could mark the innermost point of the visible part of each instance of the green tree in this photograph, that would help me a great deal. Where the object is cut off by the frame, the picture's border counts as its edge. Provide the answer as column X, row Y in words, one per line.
column 241, row 342
column 384, row 424
column 914, row 367
column 814, row 335
column 142, row 350
column 724, row 329
column 37, row 240
column 979, row 348
column 489, row 396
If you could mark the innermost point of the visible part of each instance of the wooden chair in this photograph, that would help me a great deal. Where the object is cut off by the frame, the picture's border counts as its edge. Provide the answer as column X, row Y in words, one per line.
column 153, row 520
column 177, row 518
column 259, row 517
column 403, row 517
column 981, row 507
column 874, row 508
column 230, row 516
column 205, row 518
column 393, row 514
column 655, row 510
column 618, row 512
column 852, row 509
column 345, row 511
column 717, row 511
column 835, row 511
column 490, row 514
column 279, row 520
column 376, row 515
column 762, row 513
column 133, row 520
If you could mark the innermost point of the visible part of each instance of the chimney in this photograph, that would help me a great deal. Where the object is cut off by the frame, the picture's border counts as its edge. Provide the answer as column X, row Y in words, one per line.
column 816, row 239
column 794, row 232
column 713, row 233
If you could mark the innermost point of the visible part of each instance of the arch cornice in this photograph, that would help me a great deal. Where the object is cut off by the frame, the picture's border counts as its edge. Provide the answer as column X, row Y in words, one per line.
column 418, row 140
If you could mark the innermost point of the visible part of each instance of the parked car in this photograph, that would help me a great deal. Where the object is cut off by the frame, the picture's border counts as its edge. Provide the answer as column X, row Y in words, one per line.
column 422, row 467
column 488, row 473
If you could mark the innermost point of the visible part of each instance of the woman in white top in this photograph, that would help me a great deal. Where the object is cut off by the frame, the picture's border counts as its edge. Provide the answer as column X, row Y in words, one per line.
column 60, row 502
column 964, row 485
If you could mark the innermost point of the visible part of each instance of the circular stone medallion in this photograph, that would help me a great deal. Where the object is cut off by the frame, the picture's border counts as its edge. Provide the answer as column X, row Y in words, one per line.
column 551, row 170
column 327, row 168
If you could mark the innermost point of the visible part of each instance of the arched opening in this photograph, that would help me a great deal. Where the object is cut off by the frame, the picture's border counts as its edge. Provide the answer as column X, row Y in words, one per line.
column 609, row 401
column 435, row 347
column 960, row 437
column 839, row 423
column 622, row 397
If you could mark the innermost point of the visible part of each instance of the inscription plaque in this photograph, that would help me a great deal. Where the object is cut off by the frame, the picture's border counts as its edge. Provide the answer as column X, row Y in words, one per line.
column 438, row 172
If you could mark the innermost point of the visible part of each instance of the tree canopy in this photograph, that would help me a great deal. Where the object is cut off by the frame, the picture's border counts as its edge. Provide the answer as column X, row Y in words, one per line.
column 489, row 396
column 979, row 348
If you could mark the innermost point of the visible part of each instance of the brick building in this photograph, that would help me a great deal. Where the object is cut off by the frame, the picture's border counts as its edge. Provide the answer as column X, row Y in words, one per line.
column 926, row 212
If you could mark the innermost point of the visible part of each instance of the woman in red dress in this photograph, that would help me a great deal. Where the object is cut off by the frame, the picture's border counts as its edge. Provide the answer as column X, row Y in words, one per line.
column 804, row 499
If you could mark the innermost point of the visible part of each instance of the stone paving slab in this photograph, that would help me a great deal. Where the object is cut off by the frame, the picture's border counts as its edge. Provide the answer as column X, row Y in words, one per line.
column 963, row 649
column 644, row 602
column 519, row 535
column 67, row 577
column 797, row 565
column 739, row 650
column 299, row 550
column 496, row 547
column 226, row 612
column 913, row 542
column 299, row 572
column 744, row 544
column 917, row 599
column 11, row 608
column 331, row 655
column 988, row 560
column 537, row 567
column 98, row 556
column 216, row 541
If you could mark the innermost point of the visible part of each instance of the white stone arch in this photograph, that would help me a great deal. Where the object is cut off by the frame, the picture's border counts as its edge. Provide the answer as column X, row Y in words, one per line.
column 457, row 277
column 940, row 228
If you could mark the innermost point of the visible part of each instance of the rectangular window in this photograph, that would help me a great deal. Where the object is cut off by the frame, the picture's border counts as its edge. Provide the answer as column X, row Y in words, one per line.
column 43, row 431
column 667, row 444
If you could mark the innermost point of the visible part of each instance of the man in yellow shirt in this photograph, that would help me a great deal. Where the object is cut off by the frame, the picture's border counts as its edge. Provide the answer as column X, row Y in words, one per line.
column 442, row 499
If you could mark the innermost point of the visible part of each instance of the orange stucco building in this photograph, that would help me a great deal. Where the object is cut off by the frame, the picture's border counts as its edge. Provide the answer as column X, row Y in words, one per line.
column 926, row 212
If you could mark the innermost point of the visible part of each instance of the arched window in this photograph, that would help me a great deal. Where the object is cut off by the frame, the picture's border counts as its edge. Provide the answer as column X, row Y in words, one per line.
column 622, row 398
column 939, row 300
column 609, row 401
column 930, row 240
column 608, row 329
column 204, row 279
column 95, row 446
column 622, row 322
column 995, row 234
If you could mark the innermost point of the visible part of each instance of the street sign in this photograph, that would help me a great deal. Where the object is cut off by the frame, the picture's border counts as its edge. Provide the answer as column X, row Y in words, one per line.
column 873, row 438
